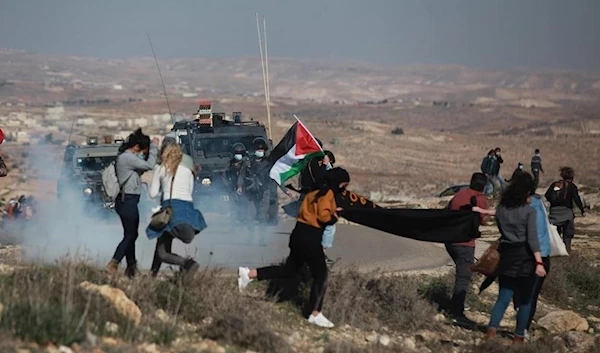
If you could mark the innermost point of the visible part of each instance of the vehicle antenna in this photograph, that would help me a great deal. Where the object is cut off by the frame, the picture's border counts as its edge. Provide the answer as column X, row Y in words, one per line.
column 161, row 79
column 267, row 79
column 262, row 63
column 71, row 132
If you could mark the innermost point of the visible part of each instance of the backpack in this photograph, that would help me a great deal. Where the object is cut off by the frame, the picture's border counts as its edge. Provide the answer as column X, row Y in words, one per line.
column 110, row 182
column 558, row 191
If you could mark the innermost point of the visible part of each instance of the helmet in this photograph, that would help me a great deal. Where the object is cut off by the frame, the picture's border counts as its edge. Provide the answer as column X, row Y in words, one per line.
column 239, row 147
column 260, row 142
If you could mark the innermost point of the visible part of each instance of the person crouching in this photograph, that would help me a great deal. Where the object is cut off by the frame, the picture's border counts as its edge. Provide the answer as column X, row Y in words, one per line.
column 318, row 209
column 176, row 180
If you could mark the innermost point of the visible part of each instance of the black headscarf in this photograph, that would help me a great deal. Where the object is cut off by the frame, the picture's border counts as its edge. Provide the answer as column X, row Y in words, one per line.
column 332, row 180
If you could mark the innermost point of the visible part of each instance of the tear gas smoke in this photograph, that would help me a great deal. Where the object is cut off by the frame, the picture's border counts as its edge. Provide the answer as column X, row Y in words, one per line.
column 71, row 227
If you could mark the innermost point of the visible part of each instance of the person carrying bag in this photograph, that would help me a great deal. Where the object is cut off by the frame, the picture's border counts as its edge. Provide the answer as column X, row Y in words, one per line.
column 177, row 218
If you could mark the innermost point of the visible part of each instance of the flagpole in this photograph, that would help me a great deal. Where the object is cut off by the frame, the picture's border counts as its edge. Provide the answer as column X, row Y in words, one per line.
column 311, row 135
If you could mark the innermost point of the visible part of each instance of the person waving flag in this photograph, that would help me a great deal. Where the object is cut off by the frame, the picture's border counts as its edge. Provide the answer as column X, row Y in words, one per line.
column 293, row 152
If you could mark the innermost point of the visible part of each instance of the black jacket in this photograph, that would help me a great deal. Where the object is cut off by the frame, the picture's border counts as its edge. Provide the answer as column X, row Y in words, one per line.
column 313, row 175
column 572, row 195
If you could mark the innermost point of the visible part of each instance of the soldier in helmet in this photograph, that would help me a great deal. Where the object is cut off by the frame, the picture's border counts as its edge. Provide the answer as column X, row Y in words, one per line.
column 260, row 188
column 234, row 179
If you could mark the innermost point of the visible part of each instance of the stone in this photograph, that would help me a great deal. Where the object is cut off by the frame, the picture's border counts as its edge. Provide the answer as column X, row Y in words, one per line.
column 409, row 343
column 150, row 348
column 578, row 341
column 439, row 318
column 6, row 270
column 65, row 349
column 384, row 340
column 372, row 337
column 111, row 327
column 117, row 299
column 91, row 339
column 52, row 349
column 162, row 316
column 109, row 341
column 293, row 338
column 563, row 321
column 427, row 336
column 593, row 319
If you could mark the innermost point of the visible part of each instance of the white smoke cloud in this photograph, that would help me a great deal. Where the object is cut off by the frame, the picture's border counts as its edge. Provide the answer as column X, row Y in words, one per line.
column 69, row 227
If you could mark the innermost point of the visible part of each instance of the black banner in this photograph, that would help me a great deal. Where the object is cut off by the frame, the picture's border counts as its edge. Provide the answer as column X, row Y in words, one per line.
column 432, row 225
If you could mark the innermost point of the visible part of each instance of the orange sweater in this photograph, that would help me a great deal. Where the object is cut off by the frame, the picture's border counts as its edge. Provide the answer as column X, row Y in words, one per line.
column 316, row 214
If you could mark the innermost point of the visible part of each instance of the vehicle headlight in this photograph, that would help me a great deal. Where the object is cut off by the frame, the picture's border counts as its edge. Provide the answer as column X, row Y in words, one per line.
column 206, row 181
column 87, row 191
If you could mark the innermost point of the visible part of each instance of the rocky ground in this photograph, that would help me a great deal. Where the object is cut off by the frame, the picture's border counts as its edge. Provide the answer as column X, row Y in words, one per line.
column 70, row 307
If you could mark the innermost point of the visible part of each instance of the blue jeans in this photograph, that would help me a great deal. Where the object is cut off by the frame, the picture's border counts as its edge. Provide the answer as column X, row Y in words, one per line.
column 501, row 181
column 508, row 286
column 328, row 235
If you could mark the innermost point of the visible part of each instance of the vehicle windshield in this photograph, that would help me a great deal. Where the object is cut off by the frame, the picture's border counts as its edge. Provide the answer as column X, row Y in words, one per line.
column 222, row 146
column 93, row 164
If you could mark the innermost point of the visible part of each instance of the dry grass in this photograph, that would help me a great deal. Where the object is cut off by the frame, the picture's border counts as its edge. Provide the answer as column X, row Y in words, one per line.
column 572, row 277
column 44, row 305
column 545, row 344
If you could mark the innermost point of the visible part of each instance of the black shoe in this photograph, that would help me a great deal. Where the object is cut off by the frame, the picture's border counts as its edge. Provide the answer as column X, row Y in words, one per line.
column 463, row 321
column 131, row 271
column 189, row 268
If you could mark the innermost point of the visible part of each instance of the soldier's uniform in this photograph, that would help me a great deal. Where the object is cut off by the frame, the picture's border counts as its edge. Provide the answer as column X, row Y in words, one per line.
column 260, row 188
column 234, row 180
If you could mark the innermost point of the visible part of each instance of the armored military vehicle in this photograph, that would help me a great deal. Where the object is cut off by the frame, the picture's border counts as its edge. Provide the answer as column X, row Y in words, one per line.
column 81, row 172
column 209, row 138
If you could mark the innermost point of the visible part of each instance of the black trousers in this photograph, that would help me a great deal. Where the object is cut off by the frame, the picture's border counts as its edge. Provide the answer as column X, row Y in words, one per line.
column 305, row 247
column 567, row 231
column 127, row 209
column 537, row 288
column 463, row 257
column 536, row 178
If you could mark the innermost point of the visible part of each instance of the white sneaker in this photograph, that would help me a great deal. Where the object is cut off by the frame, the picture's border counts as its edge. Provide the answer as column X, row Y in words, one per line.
column 320, row 320
column 243, row 278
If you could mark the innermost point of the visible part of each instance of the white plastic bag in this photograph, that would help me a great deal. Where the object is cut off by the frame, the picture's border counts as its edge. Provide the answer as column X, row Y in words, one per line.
column 557, row 245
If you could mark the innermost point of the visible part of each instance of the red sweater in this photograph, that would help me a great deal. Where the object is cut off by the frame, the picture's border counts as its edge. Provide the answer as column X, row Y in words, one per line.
column 462, row 198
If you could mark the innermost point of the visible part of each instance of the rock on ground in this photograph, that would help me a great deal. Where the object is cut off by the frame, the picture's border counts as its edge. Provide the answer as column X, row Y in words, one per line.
column 117, row 298
column 563, row 321
column 579, row 341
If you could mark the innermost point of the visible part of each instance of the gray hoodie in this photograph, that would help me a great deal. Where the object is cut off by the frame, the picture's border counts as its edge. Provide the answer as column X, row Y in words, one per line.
column 130, row 167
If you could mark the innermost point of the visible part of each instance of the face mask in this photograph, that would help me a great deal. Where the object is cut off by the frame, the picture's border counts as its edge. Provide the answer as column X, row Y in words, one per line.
column 259, row 154
column 238, row 157
column 520, row 167
column 141, row 156
column 328, row 167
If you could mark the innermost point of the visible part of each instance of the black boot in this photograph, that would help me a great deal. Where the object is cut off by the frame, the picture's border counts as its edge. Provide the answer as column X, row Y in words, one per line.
column 188, row 270
column 131, row 271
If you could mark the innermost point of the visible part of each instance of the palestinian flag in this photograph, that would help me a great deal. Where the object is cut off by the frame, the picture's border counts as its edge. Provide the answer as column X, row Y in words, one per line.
column 293, row 152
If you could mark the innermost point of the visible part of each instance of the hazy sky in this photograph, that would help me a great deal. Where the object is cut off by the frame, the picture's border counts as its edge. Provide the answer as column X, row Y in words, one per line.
column 484, row 33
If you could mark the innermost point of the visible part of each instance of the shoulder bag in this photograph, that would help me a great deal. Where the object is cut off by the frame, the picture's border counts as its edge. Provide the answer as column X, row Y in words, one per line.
column 161, row 218
column 488, row 262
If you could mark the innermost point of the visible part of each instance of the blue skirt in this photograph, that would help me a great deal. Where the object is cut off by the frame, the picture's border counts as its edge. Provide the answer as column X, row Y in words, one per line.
column 183, row 213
